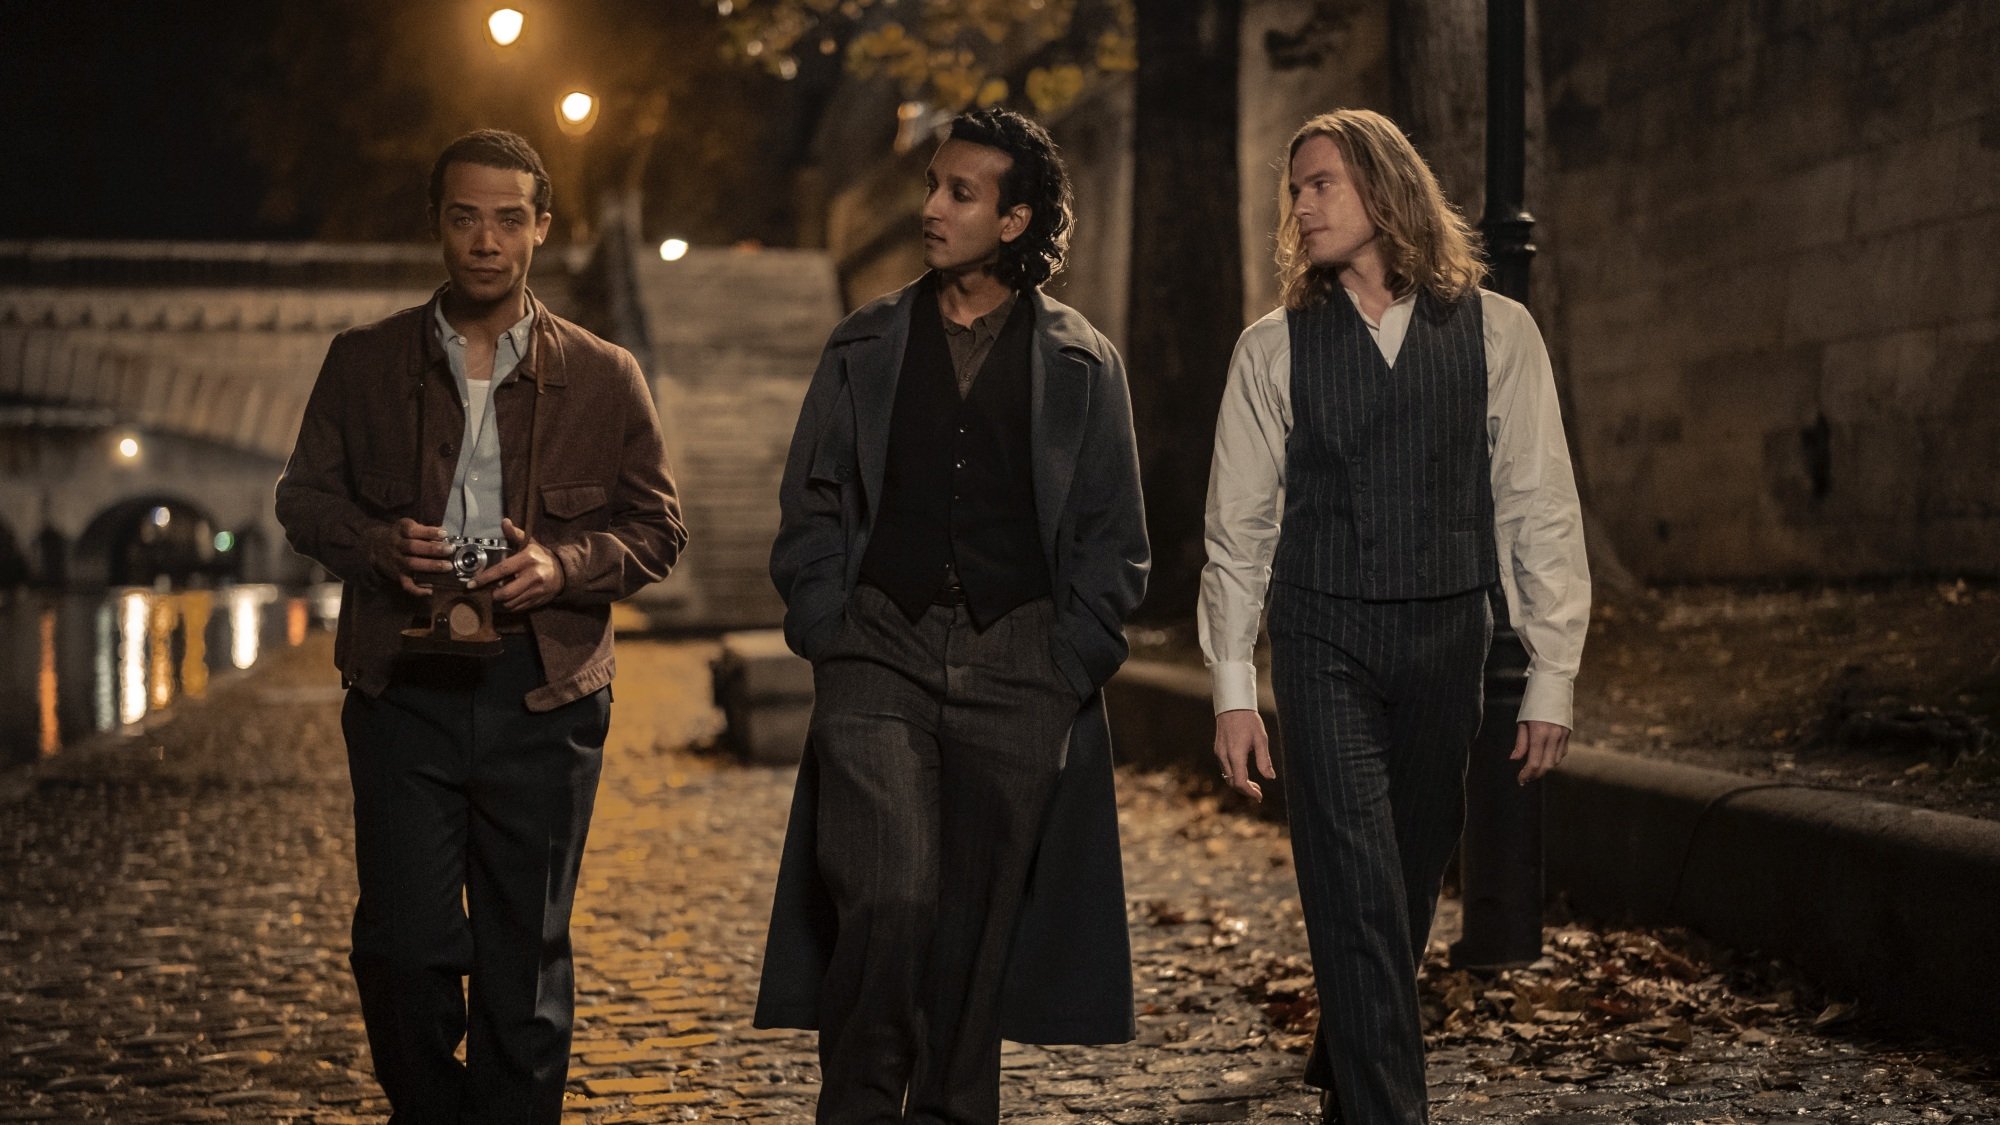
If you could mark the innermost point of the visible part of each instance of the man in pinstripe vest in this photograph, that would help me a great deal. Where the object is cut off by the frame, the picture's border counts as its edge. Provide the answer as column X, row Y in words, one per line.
column 1389, row 447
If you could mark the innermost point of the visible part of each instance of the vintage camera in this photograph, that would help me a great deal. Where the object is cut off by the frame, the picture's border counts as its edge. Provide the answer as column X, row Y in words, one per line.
column 470, row 556
column 458, row 620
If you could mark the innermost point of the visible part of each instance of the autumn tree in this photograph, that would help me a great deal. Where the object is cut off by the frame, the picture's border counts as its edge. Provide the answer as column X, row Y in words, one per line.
column 952, row 54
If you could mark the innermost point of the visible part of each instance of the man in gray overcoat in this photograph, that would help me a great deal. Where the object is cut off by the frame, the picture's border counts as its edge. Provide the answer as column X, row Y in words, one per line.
column 962, row 538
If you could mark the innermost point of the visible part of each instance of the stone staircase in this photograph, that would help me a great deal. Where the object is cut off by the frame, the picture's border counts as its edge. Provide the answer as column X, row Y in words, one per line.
column 732, row 337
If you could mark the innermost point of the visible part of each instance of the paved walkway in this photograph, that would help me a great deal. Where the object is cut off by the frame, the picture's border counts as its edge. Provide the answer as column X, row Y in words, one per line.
column 174, row 911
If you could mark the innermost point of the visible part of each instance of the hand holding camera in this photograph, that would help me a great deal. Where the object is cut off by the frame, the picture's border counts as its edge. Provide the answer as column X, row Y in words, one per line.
column 411, row 554
column 526, row 578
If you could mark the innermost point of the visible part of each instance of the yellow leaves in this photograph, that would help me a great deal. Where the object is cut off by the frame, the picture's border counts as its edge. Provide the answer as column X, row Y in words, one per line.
column 1052, row 88
column 891, row 50
column 1117, row 52
column 955, row 85
column 950, row 53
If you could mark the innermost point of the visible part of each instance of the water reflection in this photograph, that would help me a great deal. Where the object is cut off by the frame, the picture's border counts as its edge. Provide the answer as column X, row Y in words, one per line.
column 45, row 688
column 78, row 664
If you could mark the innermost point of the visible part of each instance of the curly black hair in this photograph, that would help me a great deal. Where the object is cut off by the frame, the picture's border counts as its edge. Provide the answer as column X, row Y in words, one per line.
column 1037, row 178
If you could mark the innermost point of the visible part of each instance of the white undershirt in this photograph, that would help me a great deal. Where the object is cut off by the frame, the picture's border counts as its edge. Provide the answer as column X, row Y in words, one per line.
column 478, row 392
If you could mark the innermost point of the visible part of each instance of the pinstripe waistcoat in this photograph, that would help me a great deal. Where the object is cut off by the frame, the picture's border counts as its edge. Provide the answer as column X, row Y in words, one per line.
column 1387, row 489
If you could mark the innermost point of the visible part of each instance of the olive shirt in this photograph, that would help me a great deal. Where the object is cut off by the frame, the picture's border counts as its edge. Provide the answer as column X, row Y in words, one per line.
column 970, row 344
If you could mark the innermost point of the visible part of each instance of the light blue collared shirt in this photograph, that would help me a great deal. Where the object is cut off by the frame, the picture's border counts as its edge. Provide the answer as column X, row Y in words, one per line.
column 476, row 504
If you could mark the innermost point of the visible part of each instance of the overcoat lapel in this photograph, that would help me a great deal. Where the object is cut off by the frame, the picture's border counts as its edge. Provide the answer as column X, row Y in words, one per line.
column 874, row 363
column 1059, row 375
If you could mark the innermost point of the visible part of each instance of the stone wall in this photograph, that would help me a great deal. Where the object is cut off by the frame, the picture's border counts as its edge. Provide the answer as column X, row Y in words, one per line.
column 1777, row 226
column 1298, row 58
column 1096, row 141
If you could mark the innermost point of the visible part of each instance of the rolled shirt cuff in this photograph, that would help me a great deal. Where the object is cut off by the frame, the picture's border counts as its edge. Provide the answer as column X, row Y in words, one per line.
column 1233, row 685
column 1549, row 699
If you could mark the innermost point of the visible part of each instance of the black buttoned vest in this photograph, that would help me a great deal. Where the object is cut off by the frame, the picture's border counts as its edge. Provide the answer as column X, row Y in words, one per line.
column 1388, row 492
column 958, row 490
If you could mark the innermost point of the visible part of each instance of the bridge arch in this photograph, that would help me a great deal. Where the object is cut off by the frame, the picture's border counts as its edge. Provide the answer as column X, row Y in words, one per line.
column 142, row 539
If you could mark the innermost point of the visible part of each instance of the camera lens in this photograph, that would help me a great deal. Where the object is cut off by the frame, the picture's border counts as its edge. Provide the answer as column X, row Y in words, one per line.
column 465, row 560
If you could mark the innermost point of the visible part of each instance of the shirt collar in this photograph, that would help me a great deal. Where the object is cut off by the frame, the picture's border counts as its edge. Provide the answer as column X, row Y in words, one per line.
column 517, row 335
column 981, row 327
column 1409, row 298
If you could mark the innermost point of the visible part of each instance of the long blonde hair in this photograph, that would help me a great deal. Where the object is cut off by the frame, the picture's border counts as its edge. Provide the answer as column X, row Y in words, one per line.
column 1425, row 242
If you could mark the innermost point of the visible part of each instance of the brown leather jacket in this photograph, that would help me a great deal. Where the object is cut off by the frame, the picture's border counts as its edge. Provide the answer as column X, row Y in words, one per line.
column 380, row 440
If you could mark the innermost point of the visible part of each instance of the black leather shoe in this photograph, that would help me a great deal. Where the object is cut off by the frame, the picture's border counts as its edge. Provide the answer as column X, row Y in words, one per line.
column 1329, row 1108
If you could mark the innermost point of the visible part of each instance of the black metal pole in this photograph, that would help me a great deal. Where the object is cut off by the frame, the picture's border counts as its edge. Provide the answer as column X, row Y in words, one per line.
column 1500, row 861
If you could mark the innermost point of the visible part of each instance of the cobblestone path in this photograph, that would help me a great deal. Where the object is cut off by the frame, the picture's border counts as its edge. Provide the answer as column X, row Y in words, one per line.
column 174, row 913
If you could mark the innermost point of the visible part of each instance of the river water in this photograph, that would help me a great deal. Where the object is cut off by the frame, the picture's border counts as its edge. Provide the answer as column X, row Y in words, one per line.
column 81, row 666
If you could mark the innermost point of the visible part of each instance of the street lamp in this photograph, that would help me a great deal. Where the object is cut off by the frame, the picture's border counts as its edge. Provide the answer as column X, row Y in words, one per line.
column 673, row 250
column 576, row 112
column 128, row 449
column 504, row 26
column 1500, row 859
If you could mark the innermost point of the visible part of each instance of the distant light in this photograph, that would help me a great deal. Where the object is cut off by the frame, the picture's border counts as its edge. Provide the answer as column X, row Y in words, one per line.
column 724, row 7
column 673, row 250
column 128, row 448
column 576, row 107
column 162, row 517
column 225, row 541
column 910, row 130
column 788, row 69
column 504, row 26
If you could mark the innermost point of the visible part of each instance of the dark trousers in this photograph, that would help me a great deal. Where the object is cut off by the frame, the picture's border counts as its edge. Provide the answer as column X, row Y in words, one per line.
column 1379, row 703
column 469, row 820
column 939, row 746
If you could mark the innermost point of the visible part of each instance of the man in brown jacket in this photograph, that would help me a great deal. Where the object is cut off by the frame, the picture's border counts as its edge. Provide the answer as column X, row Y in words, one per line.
column 480, row 415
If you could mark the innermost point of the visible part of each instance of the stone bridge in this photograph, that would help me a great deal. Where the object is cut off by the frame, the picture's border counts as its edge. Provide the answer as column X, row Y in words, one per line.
column 150, row 392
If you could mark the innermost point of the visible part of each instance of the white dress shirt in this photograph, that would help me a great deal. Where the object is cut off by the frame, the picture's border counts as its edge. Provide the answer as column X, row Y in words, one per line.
column 1537, row 522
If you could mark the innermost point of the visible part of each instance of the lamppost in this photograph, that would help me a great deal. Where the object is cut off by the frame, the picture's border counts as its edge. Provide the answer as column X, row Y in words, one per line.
column 504, row 26
column 640, row 114
column 576, row 115
column 1500, row 861
column 576, row 112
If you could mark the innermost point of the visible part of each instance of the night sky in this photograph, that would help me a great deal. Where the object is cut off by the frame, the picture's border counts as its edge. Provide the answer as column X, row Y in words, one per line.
column 120, row 120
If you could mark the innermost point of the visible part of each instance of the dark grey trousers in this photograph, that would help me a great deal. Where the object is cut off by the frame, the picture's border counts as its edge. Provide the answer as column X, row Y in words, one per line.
column 469, row 820
column 1379, row 703
column 939, row 747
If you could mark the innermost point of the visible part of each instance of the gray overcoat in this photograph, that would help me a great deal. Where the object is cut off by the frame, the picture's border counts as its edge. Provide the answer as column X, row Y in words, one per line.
column 1069, row 975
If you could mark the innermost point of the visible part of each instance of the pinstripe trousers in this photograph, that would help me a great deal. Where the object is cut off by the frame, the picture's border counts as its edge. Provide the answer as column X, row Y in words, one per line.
column 939, row 747
column 1378, row 703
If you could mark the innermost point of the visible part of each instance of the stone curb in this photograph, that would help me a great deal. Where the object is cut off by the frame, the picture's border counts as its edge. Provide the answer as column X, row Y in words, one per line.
column 1896, row 906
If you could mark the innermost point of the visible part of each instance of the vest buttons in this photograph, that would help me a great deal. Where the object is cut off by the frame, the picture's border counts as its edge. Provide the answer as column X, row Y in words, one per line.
column 444, row 449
